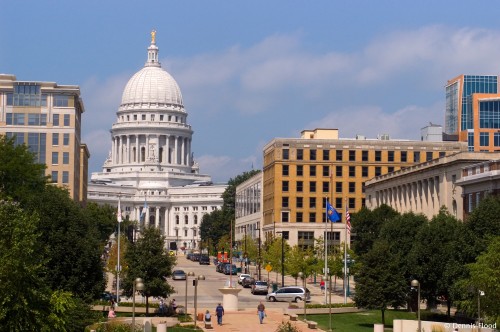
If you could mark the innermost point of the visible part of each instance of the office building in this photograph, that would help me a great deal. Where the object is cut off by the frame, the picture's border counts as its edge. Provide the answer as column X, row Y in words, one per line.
column 151, row 167
column 473, row 111
column 47, row 117
column 299, row 174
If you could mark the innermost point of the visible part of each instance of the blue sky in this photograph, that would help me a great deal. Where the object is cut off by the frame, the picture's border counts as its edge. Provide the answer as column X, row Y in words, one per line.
column 250, row 71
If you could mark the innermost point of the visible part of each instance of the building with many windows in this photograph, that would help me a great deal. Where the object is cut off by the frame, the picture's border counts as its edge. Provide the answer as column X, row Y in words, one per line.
column 426, row 187
column 248, row 208
column 47, row 118
column 150, row 167
column 300, row 174
column 473, row 111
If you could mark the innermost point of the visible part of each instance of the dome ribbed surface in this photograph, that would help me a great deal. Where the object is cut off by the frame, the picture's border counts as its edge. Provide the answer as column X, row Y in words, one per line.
column 152, row 85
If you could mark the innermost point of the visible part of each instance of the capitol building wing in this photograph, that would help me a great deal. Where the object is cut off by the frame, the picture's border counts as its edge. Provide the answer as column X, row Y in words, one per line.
column 151, row 167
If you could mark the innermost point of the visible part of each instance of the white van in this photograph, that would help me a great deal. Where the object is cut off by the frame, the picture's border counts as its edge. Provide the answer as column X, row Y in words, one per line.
column 290, row 293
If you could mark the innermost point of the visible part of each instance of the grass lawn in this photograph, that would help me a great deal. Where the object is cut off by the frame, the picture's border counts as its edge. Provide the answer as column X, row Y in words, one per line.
column 359, row 322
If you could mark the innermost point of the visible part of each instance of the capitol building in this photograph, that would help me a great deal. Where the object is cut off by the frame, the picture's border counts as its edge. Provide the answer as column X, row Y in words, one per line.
column 151, row 168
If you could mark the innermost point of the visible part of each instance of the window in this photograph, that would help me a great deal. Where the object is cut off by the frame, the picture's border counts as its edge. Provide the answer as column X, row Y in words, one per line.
column 177, row 220
column 285, row 235
column 195, row 219
column 416, row 156
column 300, row 154
column 305, row 240
column 390, row 169
column 470, row 203
column 284, row 170
column 286, row 155
column 378, row 155
column 284, row 202
column 55, row 120
column 284, row 186
column 60, row 101
column 66, row 139
column 312, row 170
column 496, row 139
column 326, row 155
column 326, row 186
column 364, row 171
column 185, row 233
column 152, row 117
column 66, row 120
column 143, row 117
column 65, row 178
column 55, row 176
column 338, row 187
column 300, row 186
column 298, row 217
column 338, row 155
column 428, row 156
column 135, row 117
column 284, row 216
column 312, row 217
column 352, row 203
column 55, row 139
column 352, row 155
column 378, row 171
column 484, row 139
column 312, row 186
column 352, row 187
column 352, row 171
column 186, row 220
column 300, row 170
column 390, row 156
column 312, row 202
column 66, row 158
column 312, row 154
column 299, row 202
column 338, row 171
column 404, row 156
column 364, row 155
column 338, row 204
column 326, row 170
column 55, row 158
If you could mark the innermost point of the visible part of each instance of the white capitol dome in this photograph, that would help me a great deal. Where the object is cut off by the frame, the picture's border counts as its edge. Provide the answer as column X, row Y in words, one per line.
column 152, row 84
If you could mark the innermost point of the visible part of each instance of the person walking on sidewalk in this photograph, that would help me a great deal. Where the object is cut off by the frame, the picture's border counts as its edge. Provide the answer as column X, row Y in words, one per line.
column 219, row 311
column 261, row 311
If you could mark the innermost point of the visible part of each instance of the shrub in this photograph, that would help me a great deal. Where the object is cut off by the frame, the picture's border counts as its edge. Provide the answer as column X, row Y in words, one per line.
column 287, row 327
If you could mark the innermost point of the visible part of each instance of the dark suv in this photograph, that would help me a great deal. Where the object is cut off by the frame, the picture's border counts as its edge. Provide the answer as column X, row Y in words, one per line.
column 204, row 260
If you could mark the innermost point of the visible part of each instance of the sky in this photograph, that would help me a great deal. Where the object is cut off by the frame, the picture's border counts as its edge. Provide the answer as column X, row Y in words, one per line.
column 251, row 71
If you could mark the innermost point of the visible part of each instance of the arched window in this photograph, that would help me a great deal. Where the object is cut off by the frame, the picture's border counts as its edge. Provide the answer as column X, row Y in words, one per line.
column 195, row 220
column 186, row 219
column 177, row 220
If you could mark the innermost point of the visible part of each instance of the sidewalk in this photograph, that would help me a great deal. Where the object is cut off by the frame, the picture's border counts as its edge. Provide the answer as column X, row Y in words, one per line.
column 247, row 320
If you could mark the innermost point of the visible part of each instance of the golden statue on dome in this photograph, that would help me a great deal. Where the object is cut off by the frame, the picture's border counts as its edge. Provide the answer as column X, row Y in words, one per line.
column 153, row 37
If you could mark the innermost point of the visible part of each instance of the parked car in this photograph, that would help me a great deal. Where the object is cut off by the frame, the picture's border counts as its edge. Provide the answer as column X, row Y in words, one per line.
column 247, row 282
column 107, row 296
column 178, row 275
column 242, row 276
column 259, row 287
column 204, row 260
column 220, row 267
column 290, row 293
column 230, row 269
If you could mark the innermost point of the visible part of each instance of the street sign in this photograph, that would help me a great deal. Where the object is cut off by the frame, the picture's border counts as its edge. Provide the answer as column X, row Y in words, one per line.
column 269, row 268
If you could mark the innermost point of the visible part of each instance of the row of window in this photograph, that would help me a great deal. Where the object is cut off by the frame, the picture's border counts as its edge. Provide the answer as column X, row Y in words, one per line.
column 65, row 177
column 352, row 155
column 36, row 143
column 299, row 186
column 484, row 139
column 325, row 170
column 186, row 220
column 194, row 208
column 55, row 158
column 152, row 117
column 55, row 139
column 37, row 100
column 299, row 202
column 31, row 119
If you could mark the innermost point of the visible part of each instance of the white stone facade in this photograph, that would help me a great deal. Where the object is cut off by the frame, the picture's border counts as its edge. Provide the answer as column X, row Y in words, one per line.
column 151, row 163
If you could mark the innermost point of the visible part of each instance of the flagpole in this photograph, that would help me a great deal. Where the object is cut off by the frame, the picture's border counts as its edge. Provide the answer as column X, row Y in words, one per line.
column 345, row 258
column 119, row 219
column 326, row 246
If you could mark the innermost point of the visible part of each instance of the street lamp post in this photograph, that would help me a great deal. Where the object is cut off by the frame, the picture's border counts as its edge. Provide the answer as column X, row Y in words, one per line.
column 416, row 284
column 282, row 259
column 189, row 274
column 303, row 276
column 195, row 284
column 138, row 285
column 260, row 258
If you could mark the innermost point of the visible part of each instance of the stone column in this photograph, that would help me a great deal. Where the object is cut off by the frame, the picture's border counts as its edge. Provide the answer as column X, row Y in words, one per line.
column 157, row 218
column 128, row 149
column 176, row 144
column 183, row 157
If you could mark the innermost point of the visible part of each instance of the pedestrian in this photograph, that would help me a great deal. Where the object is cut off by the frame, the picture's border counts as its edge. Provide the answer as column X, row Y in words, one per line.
column 208, row 317
column 111, row 313
column 261, row 311
column 174, row 306
column 219, row 311
column 162, row 307
column 322, row 286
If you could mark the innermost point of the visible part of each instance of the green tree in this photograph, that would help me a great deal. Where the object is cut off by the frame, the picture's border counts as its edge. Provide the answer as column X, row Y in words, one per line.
column 300, row 260
column 484, row 223
column 148, row 259
column 104, row 219
column 380, row 283
column 273, row 253
column 20, row 176
column 24, row 292
column 366, row 225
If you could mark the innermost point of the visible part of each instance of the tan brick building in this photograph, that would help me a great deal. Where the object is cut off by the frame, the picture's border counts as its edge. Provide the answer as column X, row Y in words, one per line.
column 47, row 118
column 300, row 173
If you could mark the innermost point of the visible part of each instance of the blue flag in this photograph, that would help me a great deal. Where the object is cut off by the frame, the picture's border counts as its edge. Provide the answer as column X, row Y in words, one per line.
column 331, row 213
column 143, row 212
